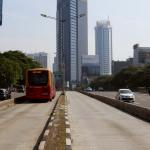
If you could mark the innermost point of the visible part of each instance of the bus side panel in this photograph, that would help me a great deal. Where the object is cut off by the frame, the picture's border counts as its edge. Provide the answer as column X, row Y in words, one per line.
column 52, row 86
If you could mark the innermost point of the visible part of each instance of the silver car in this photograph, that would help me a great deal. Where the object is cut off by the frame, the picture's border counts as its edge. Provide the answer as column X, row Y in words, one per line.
column 125, row 95
column 5, row 94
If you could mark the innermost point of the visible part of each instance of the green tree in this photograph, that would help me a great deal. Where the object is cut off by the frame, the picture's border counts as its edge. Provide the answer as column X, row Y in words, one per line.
column 13, row 67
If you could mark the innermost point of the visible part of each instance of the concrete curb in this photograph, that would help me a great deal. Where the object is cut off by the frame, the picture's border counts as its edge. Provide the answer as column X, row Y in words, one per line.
column 140, row 112
column 68, row 130
column 46, row 133
column 7, row 103
column 11, row 102
column 41, row 142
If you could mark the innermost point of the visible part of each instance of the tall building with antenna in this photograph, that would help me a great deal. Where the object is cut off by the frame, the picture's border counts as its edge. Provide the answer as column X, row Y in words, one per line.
column 103, row 42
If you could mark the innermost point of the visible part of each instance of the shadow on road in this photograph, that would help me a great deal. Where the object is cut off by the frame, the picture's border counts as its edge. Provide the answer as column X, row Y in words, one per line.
column 24, row 100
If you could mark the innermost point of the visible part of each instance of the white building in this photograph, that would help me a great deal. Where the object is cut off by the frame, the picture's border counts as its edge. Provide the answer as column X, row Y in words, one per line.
column 40, row 57
column 103, row 38
column 141, row 55
column 82, row 33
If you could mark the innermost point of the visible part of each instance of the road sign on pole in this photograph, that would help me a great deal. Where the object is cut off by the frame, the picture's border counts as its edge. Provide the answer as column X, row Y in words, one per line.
column 1, row 10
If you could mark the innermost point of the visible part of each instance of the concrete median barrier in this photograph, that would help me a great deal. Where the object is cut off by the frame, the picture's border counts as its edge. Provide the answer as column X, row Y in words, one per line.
column 6, row 103
column 11, row 102
column 140, row 112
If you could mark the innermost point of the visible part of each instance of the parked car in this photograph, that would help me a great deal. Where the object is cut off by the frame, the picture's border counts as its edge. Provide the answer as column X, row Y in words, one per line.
column 125, row 95
column 88, row 89
column 5, row 94
column 20, row 89
column 100, row 89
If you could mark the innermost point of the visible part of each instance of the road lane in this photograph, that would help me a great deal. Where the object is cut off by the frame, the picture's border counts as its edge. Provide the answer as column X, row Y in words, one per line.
column 21, row 125
column 97, row 126
column 141, row 99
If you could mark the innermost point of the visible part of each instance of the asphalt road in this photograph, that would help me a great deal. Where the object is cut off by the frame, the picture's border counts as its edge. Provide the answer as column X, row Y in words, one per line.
column 97, row 126
column 21, row 125
column 141, row 99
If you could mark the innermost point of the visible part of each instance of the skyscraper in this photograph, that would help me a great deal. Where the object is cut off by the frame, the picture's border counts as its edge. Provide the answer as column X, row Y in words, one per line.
column 82, row 34
column 71, row 37
column 103, row 38
column 1, row 6
column 67, row 39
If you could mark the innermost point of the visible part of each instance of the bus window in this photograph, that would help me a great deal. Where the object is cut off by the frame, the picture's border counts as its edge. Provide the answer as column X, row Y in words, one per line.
column 38, row 78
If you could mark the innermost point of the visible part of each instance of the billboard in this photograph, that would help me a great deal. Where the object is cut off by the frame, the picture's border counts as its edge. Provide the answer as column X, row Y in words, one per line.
column 1, row 8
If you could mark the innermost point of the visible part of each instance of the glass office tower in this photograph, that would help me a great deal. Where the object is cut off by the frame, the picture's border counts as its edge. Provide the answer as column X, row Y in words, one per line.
column 82, row 33
column 67, row 39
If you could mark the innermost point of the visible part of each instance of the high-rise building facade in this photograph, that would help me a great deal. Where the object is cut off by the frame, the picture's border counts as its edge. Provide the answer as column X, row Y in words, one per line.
column 1, row 8
column 40, row 57
column 117, row 66
column 103, row 41
column 141, row 55
column 90, row 67
column 67, row 39
column 82, row 33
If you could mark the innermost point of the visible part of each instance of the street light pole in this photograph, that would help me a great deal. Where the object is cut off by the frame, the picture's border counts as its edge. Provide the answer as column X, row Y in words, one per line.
column 62, row 67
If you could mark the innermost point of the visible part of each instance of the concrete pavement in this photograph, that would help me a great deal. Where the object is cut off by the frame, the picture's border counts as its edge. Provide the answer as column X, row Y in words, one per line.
column 97, row 126
column 21, row 125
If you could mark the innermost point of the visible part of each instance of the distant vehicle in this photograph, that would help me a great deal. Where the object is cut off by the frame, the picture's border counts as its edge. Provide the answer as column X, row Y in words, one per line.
column 5, row 94
column 40, row 84
column 20, row 89
column 88, row 89
column 125, row 95
column 100, row 89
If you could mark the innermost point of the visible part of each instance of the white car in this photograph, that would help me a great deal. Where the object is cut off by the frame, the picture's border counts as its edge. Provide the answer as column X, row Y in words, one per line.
column 89, row 89
column 125, row 95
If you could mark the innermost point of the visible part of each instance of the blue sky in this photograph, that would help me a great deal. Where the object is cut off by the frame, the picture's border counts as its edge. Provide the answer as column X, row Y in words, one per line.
column 24, row 29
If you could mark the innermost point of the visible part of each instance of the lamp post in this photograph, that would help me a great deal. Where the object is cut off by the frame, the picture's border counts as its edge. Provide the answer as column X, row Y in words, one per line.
column 62, row 67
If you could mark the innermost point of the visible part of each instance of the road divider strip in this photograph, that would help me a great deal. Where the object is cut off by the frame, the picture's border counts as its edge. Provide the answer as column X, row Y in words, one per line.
column 10, row 102
column 68, row 130
column 41, row 142
column 140, row 112
column 56, row 133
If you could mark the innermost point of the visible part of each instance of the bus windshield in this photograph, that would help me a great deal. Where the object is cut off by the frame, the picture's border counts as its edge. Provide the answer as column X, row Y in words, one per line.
column 37, row 78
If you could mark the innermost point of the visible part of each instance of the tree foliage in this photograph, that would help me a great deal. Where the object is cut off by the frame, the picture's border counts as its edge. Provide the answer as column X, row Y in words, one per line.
column 13, row 65
column 131, row 77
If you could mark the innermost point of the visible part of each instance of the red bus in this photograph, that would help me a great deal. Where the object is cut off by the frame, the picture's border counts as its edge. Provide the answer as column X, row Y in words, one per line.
column 40, row 84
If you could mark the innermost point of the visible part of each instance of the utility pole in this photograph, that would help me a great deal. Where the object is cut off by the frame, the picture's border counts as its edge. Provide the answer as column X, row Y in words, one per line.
column 1, row 11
